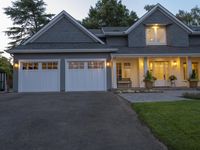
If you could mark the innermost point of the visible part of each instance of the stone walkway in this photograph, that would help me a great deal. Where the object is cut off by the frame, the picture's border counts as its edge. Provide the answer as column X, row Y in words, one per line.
column 168, row 95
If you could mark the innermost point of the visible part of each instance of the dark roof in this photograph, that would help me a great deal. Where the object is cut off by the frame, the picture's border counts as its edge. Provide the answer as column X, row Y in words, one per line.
column 114, row 29
column 96, row 31
column 195, row 28
column 62, row 46
column 156, row 50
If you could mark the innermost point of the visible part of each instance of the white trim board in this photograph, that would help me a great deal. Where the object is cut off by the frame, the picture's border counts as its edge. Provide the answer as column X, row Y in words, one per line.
column 55, row 20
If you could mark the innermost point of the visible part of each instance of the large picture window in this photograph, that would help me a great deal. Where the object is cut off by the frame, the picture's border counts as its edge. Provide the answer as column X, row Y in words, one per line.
column 156, row 35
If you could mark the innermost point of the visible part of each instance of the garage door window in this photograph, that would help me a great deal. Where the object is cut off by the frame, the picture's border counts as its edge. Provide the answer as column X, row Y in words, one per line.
column 49, row 65
column 95, row 65
column 30, row 66
column 76, row 65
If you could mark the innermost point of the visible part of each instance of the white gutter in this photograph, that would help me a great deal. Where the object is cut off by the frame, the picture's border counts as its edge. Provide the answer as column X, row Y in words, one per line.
column 61, row 50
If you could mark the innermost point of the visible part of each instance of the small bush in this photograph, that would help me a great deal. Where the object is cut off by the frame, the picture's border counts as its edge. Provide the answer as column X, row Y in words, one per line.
column 192, row 95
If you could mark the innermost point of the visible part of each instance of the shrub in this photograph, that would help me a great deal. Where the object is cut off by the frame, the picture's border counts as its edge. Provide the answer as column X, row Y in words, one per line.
column 192, row 95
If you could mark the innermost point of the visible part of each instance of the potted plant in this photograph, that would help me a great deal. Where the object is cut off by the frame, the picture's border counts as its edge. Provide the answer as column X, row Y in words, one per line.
column 149, row 80
column 193, row 80
column 172, row 79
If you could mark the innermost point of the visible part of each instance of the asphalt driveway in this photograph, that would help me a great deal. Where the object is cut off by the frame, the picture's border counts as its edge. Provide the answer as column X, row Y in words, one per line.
column 71, row 121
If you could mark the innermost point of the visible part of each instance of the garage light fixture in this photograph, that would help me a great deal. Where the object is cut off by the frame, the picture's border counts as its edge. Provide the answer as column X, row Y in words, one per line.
column 16, row 65
column 108, row 64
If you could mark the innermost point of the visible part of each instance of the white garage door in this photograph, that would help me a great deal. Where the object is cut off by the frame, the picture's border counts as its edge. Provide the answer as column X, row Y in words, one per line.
column 39, row 76
column 85, row 75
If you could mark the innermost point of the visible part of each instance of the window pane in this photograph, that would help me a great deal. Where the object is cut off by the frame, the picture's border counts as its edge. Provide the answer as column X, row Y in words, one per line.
column 44, row 66
column 50, row 65
column 95, row 65
column 76, row 65
column 24, row 66
column 161, row 37
column 30, row 66
column 150, row 35
column 127, row 65
column 35, row 66
column 55, row 65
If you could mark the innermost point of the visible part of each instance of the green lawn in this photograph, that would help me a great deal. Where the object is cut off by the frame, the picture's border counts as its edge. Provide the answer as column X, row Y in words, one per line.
column 177, row 124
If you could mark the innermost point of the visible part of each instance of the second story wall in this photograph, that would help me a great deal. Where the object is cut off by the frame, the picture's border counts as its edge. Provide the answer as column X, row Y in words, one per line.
column 175, row 34
column 117, row 41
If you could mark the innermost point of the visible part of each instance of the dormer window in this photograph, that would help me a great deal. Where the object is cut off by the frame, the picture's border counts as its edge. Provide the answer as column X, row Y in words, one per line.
column 156, row 35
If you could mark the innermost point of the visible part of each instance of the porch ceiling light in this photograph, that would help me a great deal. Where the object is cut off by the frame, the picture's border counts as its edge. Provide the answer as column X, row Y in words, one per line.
column 174, row 64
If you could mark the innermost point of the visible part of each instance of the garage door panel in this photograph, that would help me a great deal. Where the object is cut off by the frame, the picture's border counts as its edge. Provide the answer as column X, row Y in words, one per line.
column 85, row 79
column 39, row 79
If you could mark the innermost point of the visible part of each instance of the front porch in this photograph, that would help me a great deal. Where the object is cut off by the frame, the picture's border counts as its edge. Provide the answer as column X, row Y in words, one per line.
column 128, row 72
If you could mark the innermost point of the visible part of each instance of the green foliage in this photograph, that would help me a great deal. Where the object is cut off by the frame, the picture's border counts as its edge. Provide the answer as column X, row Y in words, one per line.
column 28, row 17
column 6, row 66
column 109, row 13
column 149, row 77
column 191, row 18
column 172, row 78
column 192, row 95
column 149, row 7
column 176, row 124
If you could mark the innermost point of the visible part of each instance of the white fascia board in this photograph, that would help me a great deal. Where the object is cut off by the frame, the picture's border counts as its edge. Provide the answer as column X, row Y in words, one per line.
column 54, row 21
column 155, row 55
column 61, row 50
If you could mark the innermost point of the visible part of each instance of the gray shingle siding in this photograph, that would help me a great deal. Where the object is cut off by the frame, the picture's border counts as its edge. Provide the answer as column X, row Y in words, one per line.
column 117, row 41
column 176, row 36
column 64, row 31
column 194, row 40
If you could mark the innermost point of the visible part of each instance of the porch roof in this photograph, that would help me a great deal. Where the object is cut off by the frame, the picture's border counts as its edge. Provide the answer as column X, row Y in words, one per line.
column 158, row 51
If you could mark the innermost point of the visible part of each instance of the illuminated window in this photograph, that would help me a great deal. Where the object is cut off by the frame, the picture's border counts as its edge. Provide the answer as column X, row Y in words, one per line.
column 30, row 66
column 194, row 67
column 49, row 65
column 95, row 65
column 156, row 35
column 76, row 65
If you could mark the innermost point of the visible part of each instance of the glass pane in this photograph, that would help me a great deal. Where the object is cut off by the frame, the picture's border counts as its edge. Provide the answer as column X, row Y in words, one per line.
column 30, row 66
column 24, row 66
column 76, row 65
column 44, row 66
column 195, row 67
column 35, row 66
column 95, row 65
column 55, row 65
column 50, row 65
column 161, row 35
column 150, row 35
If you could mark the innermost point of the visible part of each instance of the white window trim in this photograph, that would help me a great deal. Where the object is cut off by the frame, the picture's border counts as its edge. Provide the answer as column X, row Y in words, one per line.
column 156, row 43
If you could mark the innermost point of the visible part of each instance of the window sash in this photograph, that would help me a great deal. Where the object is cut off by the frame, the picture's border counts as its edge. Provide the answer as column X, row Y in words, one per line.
column 156, row 36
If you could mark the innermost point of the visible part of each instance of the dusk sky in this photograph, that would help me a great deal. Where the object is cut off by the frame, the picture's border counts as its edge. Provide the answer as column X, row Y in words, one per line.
column 79, row 9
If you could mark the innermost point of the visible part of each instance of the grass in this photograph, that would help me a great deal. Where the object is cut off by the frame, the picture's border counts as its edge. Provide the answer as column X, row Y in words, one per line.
column 177, row 124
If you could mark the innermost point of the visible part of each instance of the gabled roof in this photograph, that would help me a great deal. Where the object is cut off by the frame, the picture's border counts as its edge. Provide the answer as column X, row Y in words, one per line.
column 165, row 12
column 55, row 20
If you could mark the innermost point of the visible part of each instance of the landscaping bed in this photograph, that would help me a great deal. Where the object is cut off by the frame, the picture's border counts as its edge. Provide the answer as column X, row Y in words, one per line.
column 177, row 124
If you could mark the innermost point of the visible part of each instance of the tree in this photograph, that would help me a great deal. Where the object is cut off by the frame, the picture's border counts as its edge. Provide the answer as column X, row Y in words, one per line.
column 28, row 17
column 149, row 7
column 191, row 18
column 109, row 13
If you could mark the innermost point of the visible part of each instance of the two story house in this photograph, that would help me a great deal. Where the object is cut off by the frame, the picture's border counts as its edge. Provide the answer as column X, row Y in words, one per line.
column 65, row 56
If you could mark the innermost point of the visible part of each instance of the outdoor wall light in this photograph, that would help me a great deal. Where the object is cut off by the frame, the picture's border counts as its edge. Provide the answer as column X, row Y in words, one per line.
column 108, row 64
column 16, row 65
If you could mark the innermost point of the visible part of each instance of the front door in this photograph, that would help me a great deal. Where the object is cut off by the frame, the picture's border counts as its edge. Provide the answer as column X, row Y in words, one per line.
column 160, row 70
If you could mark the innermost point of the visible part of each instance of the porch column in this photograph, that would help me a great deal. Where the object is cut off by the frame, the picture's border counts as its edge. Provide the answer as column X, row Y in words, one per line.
column 189, row 66
column 114, row 76
column 145, row 65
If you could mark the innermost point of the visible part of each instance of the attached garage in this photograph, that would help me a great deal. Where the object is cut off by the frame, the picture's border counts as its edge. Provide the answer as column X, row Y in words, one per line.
column 39, row 76
column 85, row 75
